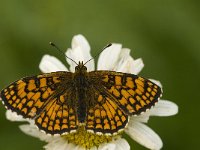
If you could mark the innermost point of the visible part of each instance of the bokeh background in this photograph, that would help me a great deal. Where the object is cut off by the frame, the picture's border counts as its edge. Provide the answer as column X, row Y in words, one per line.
column 166, row 34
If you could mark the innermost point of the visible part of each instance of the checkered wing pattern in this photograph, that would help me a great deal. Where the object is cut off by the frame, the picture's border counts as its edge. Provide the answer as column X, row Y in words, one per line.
column 42, row 98
column 130, row 93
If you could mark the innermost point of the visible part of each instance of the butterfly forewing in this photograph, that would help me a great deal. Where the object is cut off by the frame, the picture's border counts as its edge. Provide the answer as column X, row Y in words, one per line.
column 42, row 97
column 131, row 93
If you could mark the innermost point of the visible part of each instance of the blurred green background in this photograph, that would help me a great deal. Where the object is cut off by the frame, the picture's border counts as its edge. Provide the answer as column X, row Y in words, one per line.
column 166, row 34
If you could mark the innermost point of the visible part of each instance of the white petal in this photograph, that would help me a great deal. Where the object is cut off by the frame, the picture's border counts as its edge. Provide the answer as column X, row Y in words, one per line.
column 122, row 144
column 141, row 118
column 51, row 64
column 59, row 144
column 107, row 146
column 109, row 57
column 127, row 64
column 79, row 54
column 137, row 66
column 80, row 41
column 164, row 108
column 144, row 135
column 13, row 116
column 156, row 82
column 33, row 131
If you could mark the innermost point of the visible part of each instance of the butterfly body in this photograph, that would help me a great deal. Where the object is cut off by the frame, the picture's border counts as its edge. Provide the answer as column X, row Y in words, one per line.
column 101, row 101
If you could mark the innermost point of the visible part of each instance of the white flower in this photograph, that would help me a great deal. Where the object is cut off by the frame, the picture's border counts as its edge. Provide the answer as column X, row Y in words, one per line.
column 113, row 58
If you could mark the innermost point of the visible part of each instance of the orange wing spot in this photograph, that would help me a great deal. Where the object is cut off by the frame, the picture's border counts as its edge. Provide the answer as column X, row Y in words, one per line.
column 39, row 120
column 57, row 121
column 21, row 84
column 105, row 121
column 139, row 82
column 12, row 92
column 22, row 95
column 99, row 126
column 151, row 98
column 24, row 110
column 36, row 96
column 72, row 118
column 123, row 118
column 132, row 100
column 90, row 123
column 10, row 101
column 56, row 79
column 114, row 91
column 119, row 123
column 33, row 111
column 153, row 93
column 141, row 88
column 123, row 101
column 125, row 93
column 142, row 103
column 100, row 98
column 147, row 94
column 5, row 90
column 51, row 123
column 137, row 107
column 20, row 106
column 50, row 128
column 113, row 127
column 30, row 94
column 118, row 80
column 17, row 101
column 65, row 113
column 14, row 97
column 141, row 79
column 105, row 78
column 20, row 91
column 31, row 85
column 64, row 120
column 98, row 120
column 97, row 113
column 64, row 126
column 45, row 95
column 44, row 124
column 14, row 105
column 59, row 114
column 43, row 82
column 103, row 113
column 119, row 112
column 8, row 96
column 144, row 97
column 138, row 92
column 129, row 82
column 46, row 119
column 131, row 92
column 155, row 90
column 149, row 89
column 116, row 118
column 107, row 126
column 147, row 101
column 24, row 101
column 30, row 104
column 62, row 99
column 56, row 127
column 130, row 108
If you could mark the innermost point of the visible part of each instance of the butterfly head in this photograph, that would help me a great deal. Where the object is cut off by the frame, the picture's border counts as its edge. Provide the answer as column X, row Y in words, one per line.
column 80, row 68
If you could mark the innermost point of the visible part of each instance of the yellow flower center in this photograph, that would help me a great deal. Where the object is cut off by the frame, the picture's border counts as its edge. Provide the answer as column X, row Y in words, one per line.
column 86, row 139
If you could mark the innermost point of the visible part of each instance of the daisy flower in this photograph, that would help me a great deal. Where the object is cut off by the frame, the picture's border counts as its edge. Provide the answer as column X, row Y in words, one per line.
column 113, row 58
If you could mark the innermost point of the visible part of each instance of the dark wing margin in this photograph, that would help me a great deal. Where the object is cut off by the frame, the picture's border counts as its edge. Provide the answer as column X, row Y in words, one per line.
column 132, row 93
column 41, row 98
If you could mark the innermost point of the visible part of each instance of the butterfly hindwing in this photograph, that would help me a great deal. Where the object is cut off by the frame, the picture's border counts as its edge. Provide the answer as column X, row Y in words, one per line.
column 133, row 94
column 105, row 117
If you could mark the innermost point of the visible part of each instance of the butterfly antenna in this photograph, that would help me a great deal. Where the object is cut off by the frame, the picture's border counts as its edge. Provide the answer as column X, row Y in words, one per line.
column 54, row 45
column 98, row 53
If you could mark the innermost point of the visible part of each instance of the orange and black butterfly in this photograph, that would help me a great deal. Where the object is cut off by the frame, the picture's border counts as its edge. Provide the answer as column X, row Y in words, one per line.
column 101, row 101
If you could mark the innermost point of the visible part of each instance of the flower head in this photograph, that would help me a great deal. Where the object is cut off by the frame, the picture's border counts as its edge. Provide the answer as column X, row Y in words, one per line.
column 114, row 58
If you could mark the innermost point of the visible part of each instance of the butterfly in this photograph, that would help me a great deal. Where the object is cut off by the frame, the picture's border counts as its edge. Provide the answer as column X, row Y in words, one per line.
column 101, row 101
